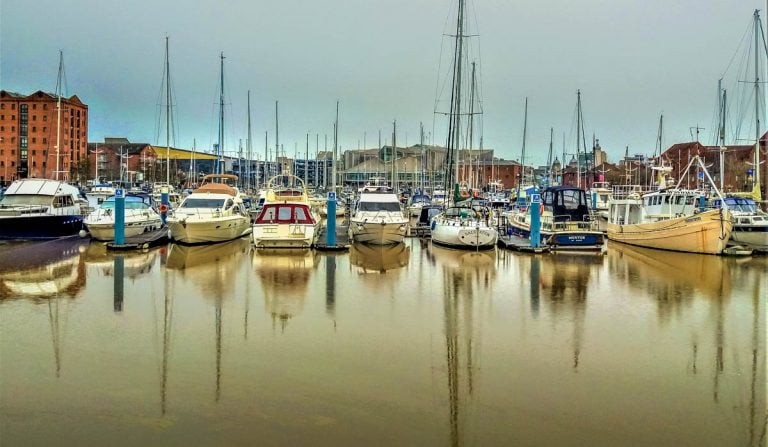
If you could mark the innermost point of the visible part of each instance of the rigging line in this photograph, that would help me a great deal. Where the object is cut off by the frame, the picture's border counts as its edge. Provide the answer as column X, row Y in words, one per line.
column 747, row 32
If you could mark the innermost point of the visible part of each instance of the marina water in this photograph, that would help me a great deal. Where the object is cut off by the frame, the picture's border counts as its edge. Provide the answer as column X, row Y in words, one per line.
column 402, row 345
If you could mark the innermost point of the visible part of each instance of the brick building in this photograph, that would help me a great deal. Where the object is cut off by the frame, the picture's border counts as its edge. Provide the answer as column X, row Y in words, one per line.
column 29, row 126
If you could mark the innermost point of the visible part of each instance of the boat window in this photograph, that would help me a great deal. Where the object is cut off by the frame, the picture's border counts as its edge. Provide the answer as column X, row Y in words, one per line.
column 744, row 221
column 666, row 199
column 379, row 206
column 268, row 214
column 202, row 203
column 284, row 213
column 570, row 199
column 301, row 214
column 25, row 199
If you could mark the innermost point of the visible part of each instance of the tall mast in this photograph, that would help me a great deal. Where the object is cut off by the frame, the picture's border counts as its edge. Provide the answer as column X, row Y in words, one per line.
column 248, row 147
column 266, row 157
column 394, row 157
column 277, row 132
column 335, row 147
column 58, row 109
column 167, row 114
column 549, row 156
column 758, row 29
column 522, row 156
column 306, row 164
column 578, row 138
column 220, row 149
column 454, row 128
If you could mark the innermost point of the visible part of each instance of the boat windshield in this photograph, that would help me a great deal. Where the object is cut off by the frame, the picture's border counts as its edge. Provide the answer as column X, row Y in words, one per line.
column 379, row 206
column 25, row 200
column 134, row 203
column 202, row 203
column 285, row 213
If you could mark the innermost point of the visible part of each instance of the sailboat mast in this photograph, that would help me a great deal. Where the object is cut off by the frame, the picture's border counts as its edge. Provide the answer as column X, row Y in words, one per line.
column 277, row 131
column 167, row 115
column 394, row 157
column 578, row 138
column 248, row 147
column 58, row 109
column 549, row 156
column 335, row 147
column 758, row 28
column 220, row 148
column 455, row 109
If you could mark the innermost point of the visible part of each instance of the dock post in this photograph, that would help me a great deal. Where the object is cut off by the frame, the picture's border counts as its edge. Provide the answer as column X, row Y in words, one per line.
column 702, row 202
column 330, row 223
column 594, row 200
column 164, row 200
column 535, row 220
column 119, row 216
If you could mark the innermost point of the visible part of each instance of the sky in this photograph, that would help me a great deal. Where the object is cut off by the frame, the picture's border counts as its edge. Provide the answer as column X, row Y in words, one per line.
column 383, row 60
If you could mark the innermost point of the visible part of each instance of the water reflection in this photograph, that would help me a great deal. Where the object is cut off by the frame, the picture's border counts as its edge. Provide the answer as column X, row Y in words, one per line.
column 379, row 258
column 284, row 276
column 565, row 280
column 43, row 270
column 467, row 282
column 213, row 268
column 136, row 263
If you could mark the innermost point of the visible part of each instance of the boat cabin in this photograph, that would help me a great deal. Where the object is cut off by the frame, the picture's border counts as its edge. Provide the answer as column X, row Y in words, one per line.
column 285, row 213
column 566, row 203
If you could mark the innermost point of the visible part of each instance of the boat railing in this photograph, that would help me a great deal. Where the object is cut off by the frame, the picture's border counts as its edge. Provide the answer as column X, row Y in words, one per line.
column 624, row 191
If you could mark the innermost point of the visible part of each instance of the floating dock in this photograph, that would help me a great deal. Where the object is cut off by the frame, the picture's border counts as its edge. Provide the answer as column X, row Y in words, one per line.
column 342, row 239
column 142, row 241
column 520, row 244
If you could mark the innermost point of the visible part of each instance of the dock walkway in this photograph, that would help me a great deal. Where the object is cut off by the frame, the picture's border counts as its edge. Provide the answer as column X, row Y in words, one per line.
column 142, row 241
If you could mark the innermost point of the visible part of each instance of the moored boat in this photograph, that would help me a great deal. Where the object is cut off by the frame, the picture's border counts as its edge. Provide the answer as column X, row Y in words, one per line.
column 213, row 213
column 140, row 217
column 286, row 219
column 36, row 208
column 378, row 217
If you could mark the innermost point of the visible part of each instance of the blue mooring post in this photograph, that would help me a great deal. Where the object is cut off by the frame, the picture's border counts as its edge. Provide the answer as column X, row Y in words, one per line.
column 330, row 225
column 702, row 203
column 119, row 216
column 594, row 200
column 535, row 220
column 164, row 201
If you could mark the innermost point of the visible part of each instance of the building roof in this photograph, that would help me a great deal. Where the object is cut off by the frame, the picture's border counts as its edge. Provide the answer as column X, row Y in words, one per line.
column 181, row 154
column 40, row 94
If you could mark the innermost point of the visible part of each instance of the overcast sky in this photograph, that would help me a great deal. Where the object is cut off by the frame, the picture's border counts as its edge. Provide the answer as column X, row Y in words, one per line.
column 632, row 60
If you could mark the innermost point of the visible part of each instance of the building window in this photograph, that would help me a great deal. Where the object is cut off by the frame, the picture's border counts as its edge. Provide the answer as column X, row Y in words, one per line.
column 45, row 129
column 45, row 117
column 34, row 106
column 2, row 117
column 34, row 117
column 45, row 140
column 13, row 106
column 34, row 140
column 45, row 106
column 34, row 129
column 34, row 152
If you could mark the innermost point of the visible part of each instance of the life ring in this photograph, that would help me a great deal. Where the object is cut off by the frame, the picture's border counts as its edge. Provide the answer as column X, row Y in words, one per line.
column 163, row 208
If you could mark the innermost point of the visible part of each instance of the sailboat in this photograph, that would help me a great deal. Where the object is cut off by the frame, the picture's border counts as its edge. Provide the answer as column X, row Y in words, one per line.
column 214, row 212
column 460, row 225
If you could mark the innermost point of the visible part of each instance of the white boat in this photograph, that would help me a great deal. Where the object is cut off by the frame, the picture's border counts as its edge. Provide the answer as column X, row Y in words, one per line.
column 286, row 219
column 464, row 227
column 37, row 208
column 99, row 193
column 670, row 219
column 416, row 202
column 750, row 225
column 599, row 196
column 214, row 212
column 140, row 217
column 378, row 217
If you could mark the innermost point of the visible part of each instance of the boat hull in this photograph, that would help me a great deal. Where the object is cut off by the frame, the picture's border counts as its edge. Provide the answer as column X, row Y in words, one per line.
column 283, row 235
column 378, row 233
column 208, row 231
column 105, row 230
column 572, row 236
column 705, row 233
column 474, row 237
column 39, row 227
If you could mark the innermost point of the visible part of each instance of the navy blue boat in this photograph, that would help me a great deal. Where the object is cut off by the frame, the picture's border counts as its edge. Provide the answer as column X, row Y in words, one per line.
column 34, row 209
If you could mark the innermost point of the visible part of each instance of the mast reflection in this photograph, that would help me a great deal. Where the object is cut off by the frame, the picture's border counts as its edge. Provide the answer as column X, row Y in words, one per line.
column 467, row 282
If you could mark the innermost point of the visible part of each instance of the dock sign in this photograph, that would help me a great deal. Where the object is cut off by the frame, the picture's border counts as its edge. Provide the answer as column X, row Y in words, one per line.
column 535, row 198
column 119, row 193
column 331, row 195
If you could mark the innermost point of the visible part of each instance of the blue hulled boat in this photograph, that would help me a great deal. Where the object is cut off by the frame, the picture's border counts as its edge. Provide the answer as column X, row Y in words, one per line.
column 41, row 209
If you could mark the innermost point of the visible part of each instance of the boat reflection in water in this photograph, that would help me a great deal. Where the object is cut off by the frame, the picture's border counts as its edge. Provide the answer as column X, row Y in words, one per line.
column 467, row 288
column 379, row 258
column 284, row 277
column 42, row 270
column 136, row 263
column 564, row 279
column 213, row 268
column 673, row 278
column 46, row 273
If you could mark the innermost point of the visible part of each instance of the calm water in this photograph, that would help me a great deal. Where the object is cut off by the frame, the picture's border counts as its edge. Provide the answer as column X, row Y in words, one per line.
column 407, row 345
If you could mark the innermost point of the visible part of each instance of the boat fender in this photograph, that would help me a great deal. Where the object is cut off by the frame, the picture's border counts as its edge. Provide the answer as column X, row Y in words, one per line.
column 163, row 208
